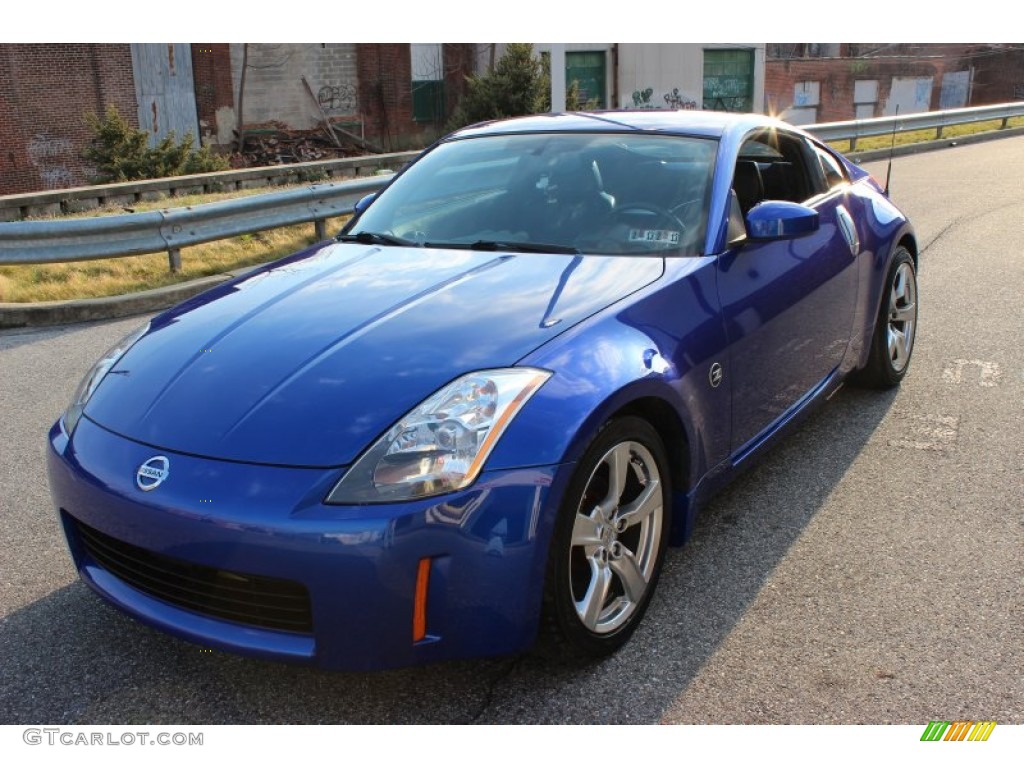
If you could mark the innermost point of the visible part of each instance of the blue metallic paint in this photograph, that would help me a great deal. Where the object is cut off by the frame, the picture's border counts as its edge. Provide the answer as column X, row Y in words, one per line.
column 774, row 220
column 787, row 320
column 306, row 404
column 359, row 563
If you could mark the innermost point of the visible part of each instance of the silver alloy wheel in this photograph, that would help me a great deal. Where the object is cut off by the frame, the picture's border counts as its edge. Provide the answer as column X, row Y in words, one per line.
column 616, row 536
column 902, row 316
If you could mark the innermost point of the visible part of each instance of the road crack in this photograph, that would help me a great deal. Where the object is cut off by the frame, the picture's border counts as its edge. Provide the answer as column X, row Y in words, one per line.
column 966, row 219
column 493, row 686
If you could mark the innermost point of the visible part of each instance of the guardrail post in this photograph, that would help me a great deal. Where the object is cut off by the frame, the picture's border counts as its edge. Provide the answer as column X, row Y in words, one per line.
column 1006, row 122
column 938, row 132
column 321, row 229
column 174, row 259
column 853, row 143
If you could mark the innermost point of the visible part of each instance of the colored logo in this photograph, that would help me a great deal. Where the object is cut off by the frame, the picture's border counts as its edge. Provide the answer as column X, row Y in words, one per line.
column 959, row 730
column 152, row 472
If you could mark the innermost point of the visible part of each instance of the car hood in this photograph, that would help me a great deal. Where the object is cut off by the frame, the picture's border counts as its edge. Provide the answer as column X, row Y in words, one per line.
column 308, row 360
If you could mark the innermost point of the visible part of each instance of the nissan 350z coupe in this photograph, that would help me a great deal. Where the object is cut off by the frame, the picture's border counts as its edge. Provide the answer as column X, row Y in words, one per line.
column 481, row 414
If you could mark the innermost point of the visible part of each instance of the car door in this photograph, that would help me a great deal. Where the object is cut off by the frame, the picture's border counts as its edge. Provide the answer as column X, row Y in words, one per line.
column 788, row 303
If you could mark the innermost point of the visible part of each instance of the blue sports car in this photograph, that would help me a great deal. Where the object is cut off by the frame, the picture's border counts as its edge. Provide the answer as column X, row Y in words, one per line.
column 479, row 417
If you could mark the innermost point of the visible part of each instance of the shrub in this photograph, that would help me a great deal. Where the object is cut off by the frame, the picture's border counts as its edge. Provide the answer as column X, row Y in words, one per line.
column 122, row 153
column 514, row 87
column 519, row 84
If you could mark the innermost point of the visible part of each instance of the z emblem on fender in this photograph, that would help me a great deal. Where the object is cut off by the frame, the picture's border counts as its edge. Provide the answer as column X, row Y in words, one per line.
column 715, row 374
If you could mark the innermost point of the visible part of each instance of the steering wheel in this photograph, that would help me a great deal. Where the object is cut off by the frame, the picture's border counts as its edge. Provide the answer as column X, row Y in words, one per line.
column 663, row 214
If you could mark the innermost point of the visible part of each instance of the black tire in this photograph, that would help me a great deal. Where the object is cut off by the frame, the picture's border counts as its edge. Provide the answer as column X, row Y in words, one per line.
column 627, row 528
column 892, row 341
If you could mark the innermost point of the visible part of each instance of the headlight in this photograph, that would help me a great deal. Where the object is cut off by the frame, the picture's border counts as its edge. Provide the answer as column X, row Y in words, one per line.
column 441, row 445
column 95, row 376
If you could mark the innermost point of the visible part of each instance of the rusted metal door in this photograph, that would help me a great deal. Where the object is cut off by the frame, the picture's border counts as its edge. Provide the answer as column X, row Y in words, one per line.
column 165, row 90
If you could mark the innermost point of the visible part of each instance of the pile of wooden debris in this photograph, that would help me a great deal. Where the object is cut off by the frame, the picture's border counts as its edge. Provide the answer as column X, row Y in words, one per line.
column 275, row 143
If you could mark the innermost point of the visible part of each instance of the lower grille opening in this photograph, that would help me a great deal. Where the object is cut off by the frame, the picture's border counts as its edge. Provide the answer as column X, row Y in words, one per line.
column 243, row 598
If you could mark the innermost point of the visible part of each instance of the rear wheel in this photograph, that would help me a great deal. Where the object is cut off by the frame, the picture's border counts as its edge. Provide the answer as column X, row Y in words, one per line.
column 895, row 328
column 609, row 542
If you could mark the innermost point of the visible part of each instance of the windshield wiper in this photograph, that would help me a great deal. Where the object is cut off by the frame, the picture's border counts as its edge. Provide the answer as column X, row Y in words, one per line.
column 376, row 238
column 506, row 245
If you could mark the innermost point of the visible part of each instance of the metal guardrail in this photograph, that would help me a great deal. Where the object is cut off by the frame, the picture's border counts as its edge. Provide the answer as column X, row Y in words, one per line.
column 170, row 230
column 851, row 130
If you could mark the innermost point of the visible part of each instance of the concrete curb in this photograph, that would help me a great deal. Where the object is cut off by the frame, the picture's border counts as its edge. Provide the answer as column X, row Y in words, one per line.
column 14, row 315
column 84, row 310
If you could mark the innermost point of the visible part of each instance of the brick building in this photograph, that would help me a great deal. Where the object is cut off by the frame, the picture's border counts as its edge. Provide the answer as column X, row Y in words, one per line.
column 400, row 95
column 44, row 92
column 819, row 82
column 408, row 92
column 215, row 91
column 46, row 89
column 396, row 95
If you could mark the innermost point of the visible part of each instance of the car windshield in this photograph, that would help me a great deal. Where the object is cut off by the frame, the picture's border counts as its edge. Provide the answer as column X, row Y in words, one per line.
column 575, row 192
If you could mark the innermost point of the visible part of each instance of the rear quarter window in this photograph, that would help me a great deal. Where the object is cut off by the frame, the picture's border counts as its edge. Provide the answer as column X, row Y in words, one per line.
column 831, row 168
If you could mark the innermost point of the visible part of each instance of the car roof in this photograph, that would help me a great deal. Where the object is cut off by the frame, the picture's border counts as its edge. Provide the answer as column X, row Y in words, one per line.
column 688, row 122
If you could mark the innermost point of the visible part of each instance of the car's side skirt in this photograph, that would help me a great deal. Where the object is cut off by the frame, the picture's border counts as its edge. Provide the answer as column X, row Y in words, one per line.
column 746, row 455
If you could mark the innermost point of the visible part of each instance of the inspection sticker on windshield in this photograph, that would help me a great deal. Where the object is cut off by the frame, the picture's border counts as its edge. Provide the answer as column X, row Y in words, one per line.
column 654, row 236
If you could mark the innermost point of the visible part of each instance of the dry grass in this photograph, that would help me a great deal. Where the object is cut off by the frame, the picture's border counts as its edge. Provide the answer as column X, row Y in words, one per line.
column 111, row 277
column 917, row 137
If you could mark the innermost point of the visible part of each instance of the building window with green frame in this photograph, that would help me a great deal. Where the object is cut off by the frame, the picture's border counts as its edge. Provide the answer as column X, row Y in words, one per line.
column 729, row 79
column 428, row 99
column 588, row 70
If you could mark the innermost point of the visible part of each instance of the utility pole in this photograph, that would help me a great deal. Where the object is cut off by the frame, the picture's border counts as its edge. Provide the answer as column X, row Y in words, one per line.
column 558, row 77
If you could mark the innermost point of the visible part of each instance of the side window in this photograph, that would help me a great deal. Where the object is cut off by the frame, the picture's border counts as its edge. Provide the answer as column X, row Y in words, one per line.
column 835, row 174
column 775, row 166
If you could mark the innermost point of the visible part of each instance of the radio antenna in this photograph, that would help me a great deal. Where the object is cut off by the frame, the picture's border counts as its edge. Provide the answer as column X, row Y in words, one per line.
column 892, row 149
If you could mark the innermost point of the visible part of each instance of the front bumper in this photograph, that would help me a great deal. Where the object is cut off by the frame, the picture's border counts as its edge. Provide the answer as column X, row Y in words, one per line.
column 228, row 528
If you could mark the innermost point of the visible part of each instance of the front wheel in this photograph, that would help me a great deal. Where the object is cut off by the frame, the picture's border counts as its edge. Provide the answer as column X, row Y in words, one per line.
column 609, row 542
column 895, row 327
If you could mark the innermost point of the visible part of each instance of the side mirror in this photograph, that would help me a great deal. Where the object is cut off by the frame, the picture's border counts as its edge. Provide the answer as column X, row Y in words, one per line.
column 363, row 204
column 779, row 220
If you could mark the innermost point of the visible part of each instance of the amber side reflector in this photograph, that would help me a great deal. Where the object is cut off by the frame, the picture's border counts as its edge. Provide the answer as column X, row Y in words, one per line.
column 419, row 610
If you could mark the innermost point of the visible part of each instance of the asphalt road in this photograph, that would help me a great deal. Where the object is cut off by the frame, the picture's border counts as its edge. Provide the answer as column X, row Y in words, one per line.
column 870, row 570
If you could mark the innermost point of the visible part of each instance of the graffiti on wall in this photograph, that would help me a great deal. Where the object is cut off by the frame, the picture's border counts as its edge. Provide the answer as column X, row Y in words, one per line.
column 47, row 153
column 337, row 98
column 42, row 146
column 676, row 100
column 643, row 99
column 56, row 177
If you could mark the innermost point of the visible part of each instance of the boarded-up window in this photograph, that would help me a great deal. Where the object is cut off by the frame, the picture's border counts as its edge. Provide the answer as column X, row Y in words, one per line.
column 806, row 99
column 955, row 89
column 865, row 98
column 909, row 94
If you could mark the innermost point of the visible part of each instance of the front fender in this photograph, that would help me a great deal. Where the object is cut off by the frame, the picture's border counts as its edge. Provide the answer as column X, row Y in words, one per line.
column 882, row 227
column 657, row 346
